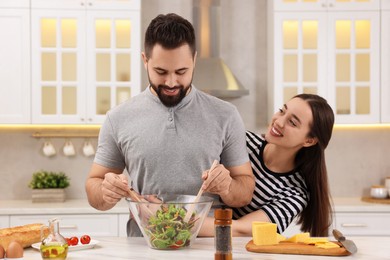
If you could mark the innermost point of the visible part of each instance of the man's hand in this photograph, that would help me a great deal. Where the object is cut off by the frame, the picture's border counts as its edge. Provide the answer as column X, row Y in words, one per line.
column 217, row 181
column 114, row 187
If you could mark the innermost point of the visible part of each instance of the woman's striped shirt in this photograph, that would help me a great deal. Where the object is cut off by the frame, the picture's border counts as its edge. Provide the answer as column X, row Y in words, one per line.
column 282, row 196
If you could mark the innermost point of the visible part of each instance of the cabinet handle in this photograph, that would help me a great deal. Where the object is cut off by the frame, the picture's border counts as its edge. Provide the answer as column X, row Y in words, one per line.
column 69, row 227
column 90, row 119
column 90, row 3
column 82, row 3
column 323, row 5
column 330, row 5
column 354, row 225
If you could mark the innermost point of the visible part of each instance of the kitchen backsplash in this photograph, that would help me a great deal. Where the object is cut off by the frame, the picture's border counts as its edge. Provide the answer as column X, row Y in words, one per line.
column 356, row 159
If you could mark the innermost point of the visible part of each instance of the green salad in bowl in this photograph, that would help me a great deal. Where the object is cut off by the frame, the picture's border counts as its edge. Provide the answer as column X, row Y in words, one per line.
column 165, row 226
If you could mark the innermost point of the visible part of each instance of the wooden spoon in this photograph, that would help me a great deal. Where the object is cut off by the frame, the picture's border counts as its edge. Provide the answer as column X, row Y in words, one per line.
column 134, row 196
column 197, row 198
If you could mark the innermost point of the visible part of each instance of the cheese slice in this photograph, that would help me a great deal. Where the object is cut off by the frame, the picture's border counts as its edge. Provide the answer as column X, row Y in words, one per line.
column 280, row 238
column 316, row 240
column 299, row 238
column 264, row 233
column 327, row 245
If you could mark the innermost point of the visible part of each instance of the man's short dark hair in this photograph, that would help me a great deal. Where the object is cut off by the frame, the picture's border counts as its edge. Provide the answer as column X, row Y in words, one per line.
column 170, row 31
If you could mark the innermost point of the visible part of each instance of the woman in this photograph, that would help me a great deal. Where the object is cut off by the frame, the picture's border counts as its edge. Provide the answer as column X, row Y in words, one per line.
column 289, row 165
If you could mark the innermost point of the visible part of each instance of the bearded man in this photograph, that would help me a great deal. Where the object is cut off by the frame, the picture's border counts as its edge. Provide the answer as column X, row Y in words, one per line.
column 168, row 136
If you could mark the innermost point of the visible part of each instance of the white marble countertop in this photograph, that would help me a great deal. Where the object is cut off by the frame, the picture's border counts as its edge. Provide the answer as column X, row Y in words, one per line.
column 81, row 206
column 203, row 248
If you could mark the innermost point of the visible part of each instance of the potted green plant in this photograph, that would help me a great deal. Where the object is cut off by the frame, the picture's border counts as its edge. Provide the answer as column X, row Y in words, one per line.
column 49, row 186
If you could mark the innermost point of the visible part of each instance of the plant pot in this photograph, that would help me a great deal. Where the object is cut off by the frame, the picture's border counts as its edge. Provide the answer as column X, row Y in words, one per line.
column 48, row 195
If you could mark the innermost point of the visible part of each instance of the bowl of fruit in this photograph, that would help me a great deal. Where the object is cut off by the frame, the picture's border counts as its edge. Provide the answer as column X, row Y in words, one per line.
column 173, row 222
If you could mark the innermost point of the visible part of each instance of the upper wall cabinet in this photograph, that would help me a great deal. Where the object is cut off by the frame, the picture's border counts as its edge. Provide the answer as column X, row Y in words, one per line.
column 385, row 61
column 85, row 59
column 15, row 62
column 331, row 5
column 327, row 52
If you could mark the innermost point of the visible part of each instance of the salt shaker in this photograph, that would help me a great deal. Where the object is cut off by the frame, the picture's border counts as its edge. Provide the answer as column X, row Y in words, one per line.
column 223, row 234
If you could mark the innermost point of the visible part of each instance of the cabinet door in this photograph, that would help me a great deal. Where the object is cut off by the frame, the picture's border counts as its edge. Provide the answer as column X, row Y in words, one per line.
column 15, row 3
column 4, row 221
column 363, row 224
column 15, row 92
column 299, row 55
column 353, row 66
column 114, row 4
column 325, row 5
column 385, row 66
column 75, row 225
column 122, row 224
column 113, row 69
column 58, row 66
column 385, row 5
column 353, row 5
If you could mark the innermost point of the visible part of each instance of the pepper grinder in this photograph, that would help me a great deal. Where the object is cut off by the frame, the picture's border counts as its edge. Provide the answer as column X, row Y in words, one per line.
column 223, row 234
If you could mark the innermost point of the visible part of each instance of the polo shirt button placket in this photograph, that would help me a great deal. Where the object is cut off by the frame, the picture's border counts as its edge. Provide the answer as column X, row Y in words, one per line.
column 171, row 123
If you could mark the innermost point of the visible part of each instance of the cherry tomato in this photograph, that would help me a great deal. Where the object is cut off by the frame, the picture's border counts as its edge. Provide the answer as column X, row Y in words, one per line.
column 85, row 239
column 177, row 245
column 68, row 241
column 73, row 241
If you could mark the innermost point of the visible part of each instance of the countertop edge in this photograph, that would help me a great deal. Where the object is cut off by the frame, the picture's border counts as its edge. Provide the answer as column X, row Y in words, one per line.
column 81, row 206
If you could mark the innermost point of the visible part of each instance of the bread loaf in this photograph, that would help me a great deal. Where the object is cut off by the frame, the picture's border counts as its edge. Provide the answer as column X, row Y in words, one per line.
column 25, row 235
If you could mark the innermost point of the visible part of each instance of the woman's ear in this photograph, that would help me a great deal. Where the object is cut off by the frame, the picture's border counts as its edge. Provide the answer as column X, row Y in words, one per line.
column 310, row 141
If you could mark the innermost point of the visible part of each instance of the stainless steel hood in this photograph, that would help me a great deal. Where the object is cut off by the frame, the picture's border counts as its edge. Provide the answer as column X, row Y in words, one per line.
column 212, row 75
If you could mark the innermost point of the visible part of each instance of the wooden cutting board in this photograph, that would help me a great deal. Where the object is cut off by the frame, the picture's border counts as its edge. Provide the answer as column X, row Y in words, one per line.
column 296, row 249
column 373, row 200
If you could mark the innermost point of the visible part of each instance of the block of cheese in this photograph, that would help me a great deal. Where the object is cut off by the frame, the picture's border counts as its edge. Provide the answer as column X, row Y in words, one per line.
column 264, row 233
column 299, row 238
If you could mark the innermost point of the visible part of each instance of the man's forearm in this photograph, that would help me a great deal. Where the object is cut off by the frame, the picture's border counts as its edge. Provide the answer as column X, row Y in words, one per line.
column 240, row 191
column 95, row 196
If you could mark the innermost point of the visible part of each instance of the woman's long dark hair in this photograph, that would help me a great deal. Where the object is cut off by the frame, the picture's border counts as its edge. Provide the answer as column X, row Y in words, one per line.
column 317, row 216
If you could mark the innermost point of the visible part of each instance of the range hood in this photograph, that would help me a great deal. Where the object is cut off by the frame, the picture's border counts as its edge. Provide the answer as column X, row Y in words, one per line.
column 212, row 75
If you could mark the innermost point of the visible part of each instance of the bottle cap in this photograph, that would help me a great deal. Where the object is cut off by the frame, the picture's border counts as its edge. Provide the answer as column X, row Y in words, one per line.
column 223, row 214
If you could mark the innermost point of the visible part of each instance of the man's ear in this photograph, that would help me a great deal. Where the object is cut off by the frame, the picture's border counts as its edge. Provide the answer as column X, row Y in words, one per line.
column 196, row 54
column 144, row 59
column 310, row 141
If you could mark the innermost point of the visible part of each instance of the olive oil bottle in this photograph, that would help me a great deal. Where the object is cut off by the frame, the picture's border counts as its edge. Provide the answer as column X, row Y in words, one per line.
column 54, row 245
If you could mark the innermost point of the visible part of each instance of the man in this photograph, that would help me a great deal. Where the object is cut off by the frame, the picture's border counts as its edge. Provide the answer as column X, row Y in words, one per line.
column 171, row 133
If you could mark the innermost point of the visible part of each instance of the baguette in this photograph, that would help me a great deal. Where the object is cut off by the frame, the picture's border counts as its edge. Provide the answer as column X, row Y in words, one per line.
column 25, row 235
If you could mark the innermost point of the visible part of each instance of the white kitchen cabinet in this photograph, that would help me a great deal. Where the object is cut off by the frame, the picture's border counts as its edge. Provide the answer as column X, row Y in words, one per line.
column 86, row 58
column 363, row 223
column 385, row 64
column 15, row 92
column 331, row 5
column 4, row 221
column 333, row 54
column 75, row 225
column 122, row 226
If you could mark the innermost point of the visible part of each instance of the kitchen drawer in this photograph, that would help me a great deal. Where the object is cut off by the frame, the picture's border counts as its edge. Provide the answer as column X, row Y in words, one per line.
column 75, row 225
column 4, row 221
column 363, row 224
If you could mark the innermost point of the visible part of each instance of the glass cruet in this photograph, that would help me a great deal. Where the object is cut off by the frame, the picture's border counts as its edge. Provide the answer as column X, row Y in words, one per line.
column 54, row 245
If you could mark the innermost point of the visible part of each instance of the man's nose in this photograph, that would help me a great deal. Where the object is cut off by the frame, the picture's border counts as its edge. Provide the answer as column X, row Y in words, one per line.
column 171, row 80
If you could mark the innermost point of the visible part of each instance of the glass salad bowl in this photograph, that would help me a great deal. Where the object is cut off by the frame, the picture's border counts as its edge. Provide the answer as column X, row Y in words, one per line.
column 174, row 223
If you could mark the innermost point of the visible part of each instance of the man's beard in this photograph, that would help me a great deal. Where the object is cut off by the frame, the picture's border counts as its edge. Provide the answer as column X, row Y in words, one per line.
column 168, row 100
